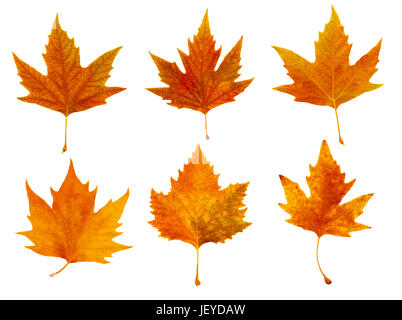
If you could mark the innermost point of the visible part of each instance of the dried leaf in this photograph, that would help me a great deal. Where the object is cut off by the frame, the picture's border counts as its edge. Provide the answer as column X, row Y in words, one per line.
column 68, row 87
column 322, row 212
column 330, row 80
column 201, row 87
column 70, row 229
column 197, row 210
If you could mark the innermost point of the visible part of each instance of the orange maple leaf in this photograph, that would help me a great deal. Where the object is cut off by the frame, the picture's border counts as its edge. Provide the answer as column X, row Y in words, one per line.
column 197, row 210
column 330, row 80
column 322, row 212
column 70, row 229
column 201, row 87
column 68, row 87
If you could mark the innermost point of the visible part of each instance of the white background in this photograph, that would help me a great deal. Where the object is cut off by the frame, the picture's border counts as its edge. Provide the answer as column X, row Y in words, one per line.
column 137, row 141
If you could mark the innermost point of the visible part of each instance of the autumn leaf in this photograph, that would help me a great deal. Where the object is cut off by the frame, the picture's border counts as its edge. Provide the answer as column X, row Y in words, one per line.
column 197, row 210
column 322, row 212
column 330, row 80
column 68, row 87
column 70, row 229
column 201, row 87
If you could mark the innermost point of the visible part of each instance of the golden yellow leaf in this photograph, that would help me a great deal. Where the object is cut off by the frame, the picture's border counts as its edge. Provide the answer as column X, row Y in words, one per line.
column 70, row 229
column 330, row 80
column 197, row 210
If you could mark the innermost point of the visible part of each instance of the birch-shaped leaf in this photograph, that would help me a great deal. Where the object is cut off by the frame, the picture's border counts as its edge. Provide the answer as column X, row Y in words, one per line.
column 330, row 80
column 68, row 87
column 197, row 210
column 201, row 87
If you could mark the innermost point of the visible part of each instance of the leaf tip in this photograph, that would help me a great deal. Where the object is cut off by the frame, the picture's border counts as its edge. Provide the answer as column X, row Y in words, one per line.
column 325, row 147
column 16, row 59
column 71, row 171
column 154, row 57
column 198, row 156
column 369, row 196
column 239, row 42
column 334, row 14
column 205, row 23
column 28, row 188
column 283, row 180
column 277, row 49
column 56, row 23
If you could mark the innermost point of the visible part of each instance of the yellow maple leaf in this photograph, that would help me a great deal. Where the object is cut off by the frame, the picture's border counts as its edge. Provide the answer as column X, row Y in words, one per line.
column 70, row 229
column 330, row 80
column 197, row 210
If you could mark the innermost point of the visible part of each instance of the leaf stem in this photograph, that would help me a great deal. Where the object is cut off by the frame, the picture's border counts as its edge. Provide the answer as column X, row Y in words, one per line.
column 206, row 128
column 54, row 273
column 197, row 280
column 339, row 130
column 327, row 280
column 65, row 136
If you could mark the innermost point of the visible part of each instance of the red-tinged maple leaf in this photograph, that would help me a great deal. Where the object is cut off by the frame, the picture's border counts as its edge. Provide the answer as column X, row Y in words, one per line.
column 322, row 212
column 201, row 87
column 68, row 87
